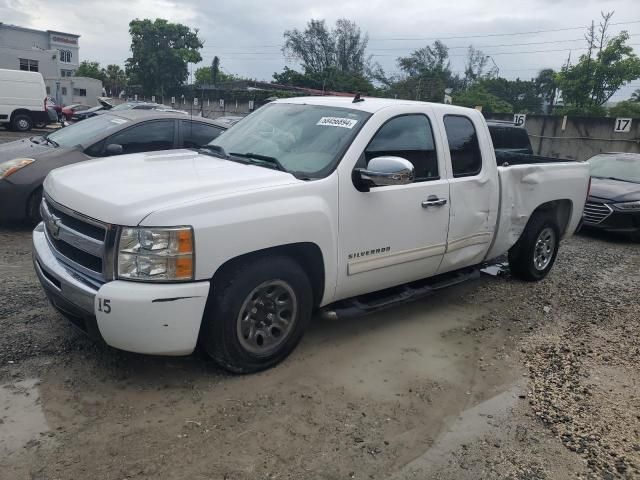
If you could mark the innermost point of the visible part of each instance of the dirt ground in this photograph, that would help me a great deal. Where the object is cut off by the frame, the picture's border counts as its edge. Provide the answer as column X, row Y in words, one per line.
column 495, row 378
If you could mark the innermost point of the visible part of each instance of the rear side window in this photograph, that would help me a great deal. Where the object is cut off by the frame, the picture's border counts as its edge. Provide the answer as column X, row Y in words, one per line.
column 145, row 137
column 510, row 138
column 466, row 159
column 409, row 137
column 195, row 134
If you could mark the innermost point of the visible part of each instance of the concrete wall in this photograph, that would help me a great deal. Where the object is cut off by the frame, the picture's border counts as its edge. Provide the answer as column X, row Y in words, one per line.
column 579, row 138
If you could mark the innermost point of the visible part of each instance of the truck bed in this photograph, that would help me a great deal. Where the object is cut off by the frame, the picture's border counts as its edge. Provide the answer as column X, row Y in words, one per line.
column 505, row 159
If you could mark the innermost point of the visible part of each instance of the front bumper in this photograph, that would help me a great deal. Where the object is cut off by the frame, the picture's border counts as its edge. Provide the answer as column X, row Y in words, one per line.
column 13, row 201
column 160, row 319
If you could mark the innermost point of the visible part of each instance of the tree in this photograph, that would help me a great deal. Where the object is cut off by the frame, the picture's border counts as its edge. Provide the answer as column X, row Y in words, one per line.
column 476, row 67
column 522, row 95
column 628, row 108
column 89, row 69
column 547, row 88
column 215, row 70
column 608, row 64
column 425, row 75
column 115, row 79
column 318, row 48
column 329, row 79
column 635, row 96
column 160, row 54
column 204, row 76
column 477, row 96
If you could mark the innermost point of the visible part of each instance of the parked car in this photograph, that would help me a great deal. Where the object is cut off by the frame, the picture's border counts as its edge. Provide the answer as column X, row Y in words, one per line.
column 308, row 203
column 69, row 110
column 507, row 137
column 103, row 105
column 23, row 100
column 614, row 199
column 25, row 163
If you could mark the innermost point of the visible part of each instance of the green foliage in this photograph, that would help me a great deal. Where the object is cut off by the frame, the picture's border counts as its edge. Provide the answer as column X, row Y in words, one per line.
column 635, row 96
column 160, row 53
column 584, row 111
column 89, row 69
column 318, row 49
column 203, row 76
column 608, row 65
column 477, row 67
column 478, row 96
column 329, row 79
column 114, row 79
column 628, row 108
column 546, row 87
column 522, row 95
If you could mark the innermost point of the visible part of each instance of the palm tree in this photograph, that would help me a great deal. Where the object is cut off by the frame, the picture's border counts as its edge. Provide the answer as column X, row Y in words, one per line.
column 115, row 79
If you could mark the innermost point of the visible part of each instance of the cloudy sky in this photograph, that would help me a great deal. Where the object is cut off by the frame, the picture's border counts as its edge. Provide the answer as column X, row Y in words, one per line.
column 247, row 34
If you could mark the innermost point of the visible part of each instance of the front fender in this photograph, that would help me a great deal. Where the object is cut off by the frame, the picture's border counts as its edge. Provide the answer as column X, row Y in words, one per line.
column 226, row 228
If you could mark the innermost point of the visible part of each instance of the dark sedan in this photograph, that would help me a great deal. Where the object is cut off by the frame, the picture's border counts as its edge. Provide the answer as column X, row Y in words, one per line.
column 25, row 163
column 614, row 199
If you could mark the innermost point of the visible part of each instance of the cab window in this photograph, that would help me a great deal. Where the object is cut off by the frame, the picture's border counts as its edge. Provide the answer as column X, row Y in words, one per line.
column 466, row 159
column 409, row 137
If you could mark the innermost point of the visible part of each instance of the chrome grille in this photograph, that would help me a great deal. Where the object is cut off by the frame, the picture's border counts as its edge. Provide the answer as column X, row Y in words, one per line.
column 77, row 240
column 595, row 213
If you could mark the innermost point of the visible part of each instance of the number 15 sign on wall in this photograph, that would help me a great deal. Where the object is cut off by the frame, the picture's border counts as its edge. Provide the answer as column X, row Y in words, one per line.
column 622, row 125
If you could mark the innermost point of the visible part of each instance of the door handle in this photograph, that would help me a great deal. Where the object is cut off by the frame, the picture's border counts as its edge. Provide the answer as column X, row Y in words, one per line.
column 434, row 201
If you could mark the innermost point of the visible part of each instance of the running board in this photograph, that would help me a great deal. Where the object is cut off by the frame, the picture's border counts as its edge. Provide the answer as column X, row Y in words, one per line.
column 383, row 299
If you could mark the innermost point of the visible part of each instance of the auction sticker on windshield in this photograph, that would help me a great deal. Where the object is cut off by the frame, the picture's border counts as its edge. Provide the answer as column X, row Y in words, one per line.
column 337, row 122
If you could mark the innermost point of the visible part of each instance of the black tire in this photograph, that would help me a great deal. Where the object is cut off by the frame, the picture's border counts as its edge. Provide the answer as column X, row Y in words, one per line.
column 523, row 255
column 230, row 293
column 22, row 122
column 33, row 207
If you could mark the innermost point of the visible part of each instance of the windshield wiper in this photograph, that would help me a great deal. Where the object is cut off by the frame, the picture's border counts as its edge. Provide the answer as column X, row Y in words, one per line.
column 52, row 142
column 261, row 158
column 216, row 150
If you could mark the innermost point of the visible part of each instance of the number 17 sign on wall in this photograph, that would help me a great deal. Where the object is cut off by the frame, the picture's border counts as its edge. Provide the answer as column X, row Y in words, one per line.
column 622, row 125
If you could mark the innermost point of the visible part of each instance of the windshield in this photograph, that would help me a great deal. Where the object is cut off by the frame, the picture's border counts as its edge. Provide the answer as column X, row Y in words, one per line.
column 621, row 167
column 87, row 130
column 304, row 139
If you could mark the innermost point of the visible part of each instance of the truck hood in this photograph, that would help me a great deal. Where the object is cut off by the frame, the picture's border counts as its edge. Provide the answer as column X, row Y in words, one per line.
column 123, row 190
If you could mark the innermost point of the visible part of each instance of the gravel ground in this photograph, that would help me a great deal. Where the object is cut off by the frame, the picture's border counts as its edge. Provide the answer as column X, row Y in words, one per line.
column 493, row 379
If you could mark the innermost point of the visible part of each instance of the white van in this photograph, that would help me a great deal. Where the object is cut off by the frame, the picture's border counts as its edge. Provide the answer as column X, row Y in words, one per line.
column 23, row 100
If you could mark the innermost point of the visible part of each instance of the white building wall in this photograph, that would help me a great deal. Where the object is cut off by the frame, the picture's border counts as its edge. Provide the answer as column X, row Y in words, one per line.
column 58, row 57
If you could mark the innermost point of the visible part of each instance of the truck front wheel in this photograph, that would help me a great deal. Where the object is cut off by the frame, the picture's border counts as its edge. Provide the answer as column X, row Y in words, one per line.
column 533, row 255
column 256, row 314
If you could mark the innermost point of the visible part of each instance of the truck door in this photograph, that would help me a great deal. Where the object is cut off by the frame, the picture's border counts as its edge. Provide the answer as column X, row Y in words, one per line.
column 393, row 234
column 474, row 190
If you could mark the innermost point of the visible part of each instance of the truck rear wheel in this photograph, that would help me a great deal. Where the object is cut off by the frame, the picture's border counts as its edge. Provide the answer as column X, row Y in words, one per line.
column 257, row 313
column 534, row 254
column 22, row 122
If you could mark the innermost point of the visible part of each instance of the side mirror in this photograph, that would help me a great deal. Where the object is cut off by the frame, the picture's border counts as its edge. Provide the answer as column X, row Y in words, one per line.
column 383, row 171
column 113, row 149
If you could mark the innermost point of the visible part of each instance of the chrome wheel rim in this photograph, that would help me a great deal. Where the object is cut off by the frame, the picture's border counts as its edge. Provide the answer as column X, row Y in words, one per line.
column 267, row 317
column 544, row 249
column 23, row 124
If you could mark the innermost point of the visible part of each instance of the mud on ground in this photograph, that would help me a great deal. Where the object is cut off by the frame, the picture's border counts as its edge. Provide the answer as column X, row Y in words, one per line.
column 492, row 379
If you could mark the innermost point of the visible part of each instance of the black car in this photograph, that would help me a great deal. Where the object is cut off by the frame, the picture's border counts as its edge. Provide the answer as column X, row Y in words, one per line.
column 614, row 198
column 25, row 163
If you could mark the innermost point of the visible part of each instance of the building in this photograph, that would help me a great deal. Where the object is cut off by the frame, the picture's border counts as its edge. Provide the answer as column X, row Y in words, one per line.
column 56, row 55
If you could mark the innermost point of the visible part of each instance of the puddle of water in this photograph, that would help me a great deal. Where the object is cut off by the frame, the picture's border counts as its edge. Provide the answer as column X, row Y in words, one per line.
column 21, row 416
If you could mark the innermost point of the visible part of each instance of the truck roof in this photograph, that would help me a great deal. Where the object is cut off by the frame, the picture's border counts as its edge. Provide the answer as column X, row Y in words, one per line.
column 368, row 104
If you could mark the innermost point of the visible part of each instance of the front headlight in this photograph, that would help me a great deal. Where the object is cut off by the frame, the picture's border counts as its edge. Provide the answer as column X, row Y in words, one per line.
column 627, row 206
column 156, row 254
column 12, row 166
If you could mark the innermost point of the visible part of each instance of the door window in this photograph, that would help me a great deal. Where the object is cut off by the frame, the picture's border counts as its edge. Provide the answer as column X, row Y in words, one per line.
column 409, row 137
column 195, row 134
column 466, row 159
column 145, row 137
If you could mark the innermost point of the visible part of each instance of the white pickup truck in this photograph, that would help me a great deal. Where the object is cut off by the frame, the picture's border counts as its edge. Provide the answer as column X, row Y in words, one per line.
column 335, row 204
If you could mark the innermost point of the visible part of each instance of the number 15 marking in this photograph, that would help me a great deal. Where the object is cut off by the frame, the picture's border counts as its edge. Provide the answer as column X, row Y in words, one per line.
column 104, row 305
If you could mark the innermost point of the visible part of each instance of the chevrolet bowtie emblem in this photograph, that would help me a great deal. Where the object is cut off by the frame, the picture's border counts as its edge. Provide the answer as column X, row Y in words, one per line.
column 54, row 226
